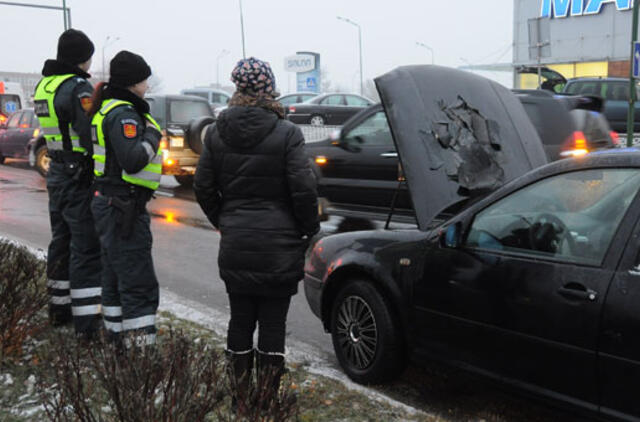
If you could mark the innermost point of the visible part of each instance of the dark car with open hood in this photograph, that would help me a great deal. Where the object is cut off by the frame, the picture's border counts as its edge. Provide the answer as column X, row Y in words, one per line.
column 524, row 272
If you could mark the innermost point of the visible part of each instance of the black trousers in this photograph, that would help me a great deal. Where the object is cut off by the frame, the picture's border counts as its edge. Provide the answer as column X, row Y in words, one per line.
column 270, row 313
column 130, row 292
column 73, row 260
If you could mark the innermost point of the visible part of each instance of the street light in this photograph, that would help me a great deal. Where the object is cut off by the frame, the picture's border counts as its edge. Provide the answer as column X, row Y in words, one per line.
column 423, row 45
column 221, row 55
column 104, row 46
column 347, row 20
column 244, row 54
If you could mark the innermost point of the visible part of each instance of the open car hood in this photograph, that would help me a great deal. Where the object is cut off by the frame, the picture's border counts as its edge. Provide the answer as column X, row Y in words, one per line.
column 458, row 135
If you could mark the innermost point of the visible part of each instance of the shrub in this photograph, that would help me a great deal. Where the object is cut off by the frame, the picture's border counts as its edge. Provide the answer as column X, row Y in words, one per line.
column 23, row 295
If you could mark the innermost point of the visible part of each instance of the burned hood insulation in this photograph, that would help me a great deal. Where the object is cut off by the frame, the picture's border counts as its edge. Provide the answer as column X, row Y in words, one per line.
column 457, row 135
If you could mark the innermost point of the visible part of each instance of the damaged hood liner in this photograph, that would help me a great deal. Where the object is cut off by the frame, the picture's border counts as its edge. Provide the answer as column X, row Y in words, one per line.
column 458, row 135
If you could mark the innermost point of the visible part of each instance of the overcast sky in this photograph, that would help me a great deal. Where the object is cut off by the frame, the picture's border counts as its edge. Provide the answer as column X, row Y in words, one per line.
column 182, row 39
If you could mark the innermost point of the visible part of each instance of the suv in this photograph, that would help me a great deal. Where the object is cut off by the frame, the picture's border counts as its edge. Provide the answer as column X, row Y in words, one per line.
column 178, row 115
column 615, row 92
column 358, row 170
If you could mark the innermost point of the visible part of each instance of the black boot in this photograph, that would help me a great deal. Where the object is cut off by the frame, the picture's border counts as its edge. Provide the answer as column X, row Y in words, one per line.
column 270, row 368
column 240, row 371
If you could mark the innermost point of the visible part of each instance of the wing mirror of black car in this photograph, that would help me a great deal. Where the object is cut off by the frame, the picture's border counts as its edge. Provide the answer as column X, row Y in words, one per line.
column 452, row 236
column 335, row 137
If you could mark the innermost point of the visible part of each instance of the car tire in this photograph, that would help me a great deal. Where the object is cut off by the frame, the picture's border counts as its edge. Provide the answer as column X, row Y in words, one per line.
column 185, row 180
column 196, row 129
column 316, row 120
column 42, row 161
column 366, row 338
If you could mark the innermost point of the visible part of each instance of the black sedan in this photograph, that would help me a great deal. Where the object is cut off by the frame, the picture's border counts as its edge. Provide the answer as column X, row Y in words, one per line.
column 327, row 109
column 15, row 134
column 526, row 276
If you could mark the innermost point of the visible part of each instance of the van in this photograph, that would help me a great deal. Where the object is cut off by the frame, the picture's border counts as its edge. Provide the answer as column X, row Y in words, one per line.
column 11, row 99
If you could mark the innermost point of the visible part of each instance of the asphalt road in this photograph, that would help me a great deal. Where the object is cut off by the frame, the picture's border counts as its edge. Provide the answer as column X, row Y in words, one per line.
column 185, row 253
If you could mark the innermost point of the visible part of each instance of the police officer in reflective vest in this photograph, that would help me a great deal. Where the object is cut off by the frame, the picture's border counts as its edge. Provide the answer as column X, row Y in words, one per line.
column 128, row 168
column 62, row 99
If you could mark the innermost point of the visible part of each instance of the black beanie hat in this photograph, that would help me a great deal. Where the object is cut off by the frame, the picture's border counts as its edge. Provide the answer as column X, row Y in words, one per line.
column 127, row 69
column 74, row 47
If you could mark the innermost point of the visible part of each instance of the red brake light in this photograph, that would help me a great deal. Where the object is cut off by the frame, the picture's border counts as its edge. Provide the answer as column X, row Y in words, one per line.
column 24, row 126
column 615, row 138
column 3, row 118
column 292, row 109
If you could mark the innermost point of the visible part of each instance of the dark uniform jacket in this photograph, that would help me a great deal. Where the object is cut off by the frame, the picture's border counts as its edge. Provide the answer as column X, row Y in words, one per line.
column 255, row 185
column 127, row 148
column 71, row 102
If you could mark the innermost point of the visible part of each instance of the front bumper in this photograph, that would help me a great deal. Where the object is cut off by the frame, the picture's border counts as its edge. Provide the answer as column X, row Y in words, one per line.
column 179, row 162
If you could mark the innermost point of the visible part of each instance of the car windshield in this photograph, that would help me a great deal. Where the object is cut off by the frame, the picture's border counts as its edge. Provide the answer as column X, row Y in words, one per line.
column 182, row 111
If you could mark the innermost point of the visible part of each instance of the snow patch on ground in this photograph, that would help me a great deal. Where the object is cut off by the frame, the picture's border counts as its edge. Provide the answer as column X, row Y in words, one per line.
column 216, row 321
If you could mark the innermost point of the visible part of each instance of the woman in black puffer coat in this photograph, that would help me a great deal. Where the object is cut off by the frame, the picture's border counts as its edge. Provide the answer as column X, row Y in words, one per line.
column 255, row 185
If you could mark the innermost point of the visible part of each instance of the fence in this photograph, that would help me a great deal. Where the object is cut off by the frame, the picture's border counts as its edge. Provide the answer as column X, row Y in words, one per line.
column 317, row 133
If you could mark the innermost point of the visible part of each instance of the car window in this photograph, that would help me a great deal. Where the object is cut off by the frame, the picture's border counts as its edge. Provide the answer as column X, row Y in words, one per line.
column 200, row 94
column 584, row 88
column 9, row 103
column 14, row 121
column 373, row 131
column 571, row 217
column 182, row 111
column 616, row 91
column 25, row 120
column 289, row 100
column 354, row 101
column 332, row 100
column 303, row 98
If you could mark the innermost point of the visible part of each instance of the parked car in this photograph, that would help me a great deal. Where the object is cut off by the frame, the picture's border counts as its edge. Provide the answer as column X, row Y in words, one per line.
column 357, row 168
column 327, row 109
column 615, row 92
column 21, row 127
column 532, row 281
column 216, row 97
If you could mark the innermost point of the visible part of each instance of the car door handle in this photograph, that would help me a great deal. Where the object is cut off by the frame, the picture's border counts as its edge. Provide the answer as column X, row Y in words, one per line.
column 389, row 155
column 578, row 291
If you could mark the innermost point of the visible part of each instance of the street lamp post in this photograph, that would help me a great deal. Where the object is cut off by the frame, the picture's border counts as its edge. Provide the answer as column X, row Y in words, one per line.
column 347, row 20
column 423, row 45
column 104, row 46
column 221, row 55
column 244, row 54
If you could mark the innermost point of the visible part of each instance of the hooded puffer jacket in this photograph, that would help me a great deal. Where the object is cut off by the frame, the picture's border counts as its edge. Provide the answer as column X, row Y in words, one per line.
column 255, row 185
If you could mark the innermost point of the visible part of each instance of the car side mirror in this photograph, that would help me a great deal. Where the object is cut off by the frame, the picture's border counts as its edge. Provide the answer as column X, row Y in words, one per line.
column 335, row 137
column 452, row 237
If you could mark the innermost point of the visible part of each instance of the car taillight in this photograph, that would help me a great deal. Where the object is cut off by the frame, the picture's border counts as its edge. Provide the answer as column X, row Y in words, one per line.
column 36, row 133
column 292, row 109
column 615, row 138
column 576, row 145
column 3, row 118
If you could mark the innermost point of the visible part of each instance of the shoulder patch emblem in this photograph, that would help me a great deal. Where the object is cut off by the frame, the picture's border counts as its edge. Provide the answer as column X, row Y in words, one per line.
column 129, row 130
column 86, row 103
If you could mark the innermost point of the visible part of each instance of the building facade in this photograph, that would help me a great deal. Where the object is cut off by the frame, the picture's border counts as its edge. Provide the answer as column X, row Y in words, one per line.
column 577, row 38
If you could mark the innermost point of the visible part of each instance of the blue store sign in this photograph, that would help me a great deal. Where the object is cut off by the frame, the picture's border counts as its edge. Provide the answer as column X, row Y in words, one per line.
column 565, row 8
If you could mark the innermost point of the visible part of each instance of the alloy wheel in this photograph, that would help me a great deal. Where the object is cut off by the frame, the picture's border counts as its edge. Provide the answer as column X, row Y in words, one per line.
column 357, row 332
